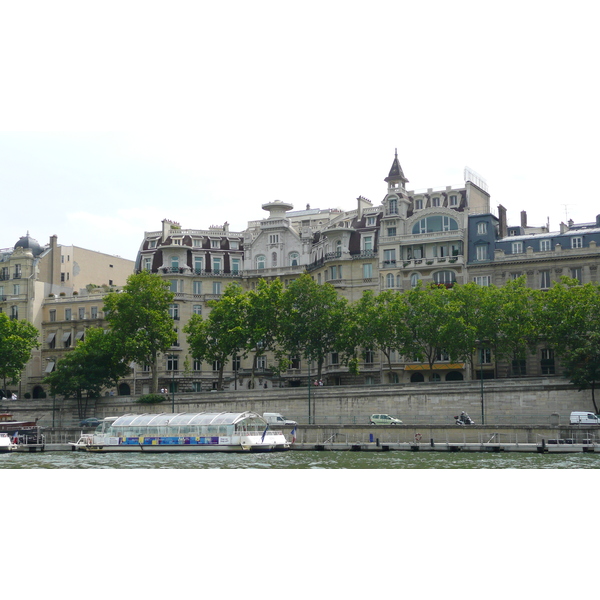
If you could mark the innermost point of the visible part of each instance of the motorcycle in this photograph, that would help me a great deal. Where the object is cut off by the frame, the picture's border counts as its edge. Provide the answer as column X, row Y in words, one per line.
column 464, row 419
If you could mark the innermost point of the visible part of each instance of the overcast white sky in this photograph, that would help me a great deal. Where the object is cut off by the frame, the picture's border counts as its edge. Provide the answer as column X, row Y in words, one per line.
column 116, row 115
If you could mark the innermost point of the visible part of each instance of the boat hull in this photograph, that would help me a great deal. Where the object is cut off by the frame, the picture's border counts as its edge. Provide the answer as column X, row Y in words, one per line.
column 148, row 449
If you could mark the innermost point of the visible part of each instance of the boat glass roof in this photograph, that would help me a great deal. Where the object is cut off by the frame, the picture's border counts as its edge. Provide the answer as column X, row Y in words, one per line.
column 172, row 419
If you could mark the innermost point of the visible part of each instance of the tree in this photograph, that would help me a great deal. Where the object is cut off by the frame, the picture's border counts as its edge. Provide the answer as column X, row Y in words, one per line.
column 311, row 320
column 382, row 323
column 570, row 317
column 223, row 333
column 262, row 320
column 139, row 318
column 17, row 340
column 92, row 365
column 432, row 322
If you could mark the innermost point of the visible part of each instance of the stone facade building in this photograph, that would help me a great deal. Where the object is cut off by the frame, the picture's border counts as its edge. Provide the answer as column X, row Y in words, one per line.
column 439, row 235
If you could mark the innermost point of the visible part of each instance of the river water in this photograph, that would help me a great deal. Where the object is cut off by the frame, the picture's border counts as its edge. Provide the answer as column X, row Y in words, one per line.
column 300, row 460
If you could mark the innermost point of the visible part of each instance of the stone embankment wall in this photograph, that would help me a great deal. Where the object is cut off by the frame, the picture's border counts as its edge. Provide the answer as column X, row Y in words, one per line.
column 536, row 401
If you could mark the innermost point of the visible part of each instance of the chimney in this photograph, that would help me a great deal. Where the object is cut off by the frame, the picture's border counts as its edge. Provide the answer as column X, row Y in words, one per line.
column 523, row 219
column 502, row 221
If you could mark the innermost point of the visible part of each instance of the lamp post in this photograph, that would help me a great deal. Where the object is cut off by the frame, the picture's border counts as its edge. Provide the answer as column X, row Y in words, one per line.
column 172, row 383
column 481, row 378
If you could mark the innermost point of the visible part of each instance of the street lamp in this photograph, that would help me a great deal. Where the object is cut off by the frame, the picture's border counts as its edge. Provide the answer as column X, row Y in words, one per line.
column 480, row 346
column 172, row 383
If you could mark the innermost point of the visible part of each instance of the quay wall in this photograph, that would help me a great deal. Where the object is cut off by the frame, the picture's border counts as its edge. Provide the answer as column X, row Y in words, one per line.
column 535, row 401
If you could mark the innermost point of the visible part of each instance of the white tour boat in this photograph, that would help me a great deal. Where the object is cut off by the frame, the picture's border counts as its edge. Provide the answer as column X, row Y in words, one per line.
column 6, row 443
column 184, row 432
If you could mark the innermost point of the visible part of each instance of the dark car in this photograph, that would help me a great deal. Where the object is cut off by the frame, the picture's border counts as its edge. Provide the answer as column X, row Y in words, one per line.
column 90, row 422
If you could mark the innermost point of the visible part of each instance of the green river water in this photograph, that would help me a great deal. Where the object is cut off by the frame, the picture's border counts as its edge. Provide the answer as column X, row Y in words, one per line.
column 300, row 460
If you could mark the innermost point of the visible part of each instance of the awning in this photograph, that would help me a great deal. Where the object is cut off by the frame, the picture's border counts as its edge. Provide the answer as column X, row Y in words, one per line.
column 50, row 367
column 436, row 367
column 50, row 338
column 79, row 335
column 66, row 337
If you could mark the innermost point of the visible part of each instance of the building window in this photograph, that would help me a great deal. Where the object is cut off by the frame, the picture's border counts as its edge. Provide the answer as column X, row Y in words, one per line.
column 576, row 274
column 414, row 279
column 482, row 228
column 14, row 312
column 177, row 241
column 273, row 259
column 481, row 252
column 435, row 202
column 435, row 223
column 260, row 262
column 67, row 314
column 174, row 263
column 444, row 277
column 216, row 266
column 198, row 264
column 393, row 206
column 197, row 365
column 197, row 243
column 197, row 386
column 544, row 280
column 197, row 309
column 235, row 265
column 368, row 243
column 389, row 280
column 544, row 245
column 519, row 367
column 517, row 247
column 371, row 221
column 435, row 377
column 369, row 357
column 53, row 315
column 234, row 245
column 391, row 231
column 94, row 312
column 547, row 363
column 367, row 271
column 274, row 238
column 453, row 201
column 66, row 340
column 482, row 280
column 147, row 263
column 197, row 288
column 215, row 243
column 174, row 287
column 485, row 356
column 577, row 242
column 418, row 204
column 172, row 362
column 16, row 289
column 516, row 275
column 152, row 244
column 389, row 256
column 216, row 288
column 81, row 313
column 174, row 311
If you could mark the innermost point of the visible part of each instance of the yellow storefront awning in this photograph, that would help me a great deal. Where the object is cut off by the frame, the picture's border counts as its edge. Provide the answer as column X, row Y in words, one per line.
column 436, row 367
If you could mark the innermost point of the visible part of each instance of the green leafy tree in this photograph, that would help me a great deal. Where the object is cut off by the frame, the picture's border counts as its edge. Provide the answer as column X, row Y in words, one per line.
column 17, row 340
column 92, row 365
column 224, row 333
column 433, row 323
column 570, row 317
column 262, row 320
column 139, row 317
column 311, row 321
column 382, row 324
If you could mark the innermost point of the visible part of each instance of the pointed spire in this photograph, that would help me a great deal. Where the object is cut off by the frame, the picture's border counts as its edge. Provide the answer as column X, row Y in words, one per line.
column 396, row 174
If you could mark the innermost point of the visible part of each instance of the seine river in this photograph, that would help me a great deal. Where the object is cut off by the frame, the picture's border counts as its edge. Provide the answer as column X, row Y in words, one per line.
column 299, row 460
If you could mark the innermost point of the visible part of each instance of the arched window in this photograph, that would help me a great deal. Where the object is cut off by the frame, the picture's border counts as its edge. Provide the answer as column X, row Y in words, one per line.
column 175, row 262
column 260, row 262
column 389, row 280
column 414, row 279
column 273, row 259
column 393, row 206
column 294, row 258
column 14, row 312
column 435, row 223
column 398, row 281
column 338, row 248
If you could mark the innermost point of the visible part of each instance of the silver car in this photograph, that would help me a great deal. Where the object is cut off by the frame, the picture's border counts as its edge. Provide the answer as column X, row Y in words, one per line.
column 384, row 420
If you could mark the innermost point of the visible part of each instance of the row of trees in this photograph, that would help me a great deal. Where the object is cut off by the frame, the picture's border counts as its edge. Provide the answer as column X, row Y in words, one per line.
column 308, row 321
column 17, row 340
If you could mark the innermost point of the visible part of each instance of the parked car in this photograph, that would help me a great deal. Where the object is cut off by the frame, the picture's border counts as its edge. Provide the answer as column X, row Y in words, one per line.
column 89, row 422
column 384, row 420
column 278, row 419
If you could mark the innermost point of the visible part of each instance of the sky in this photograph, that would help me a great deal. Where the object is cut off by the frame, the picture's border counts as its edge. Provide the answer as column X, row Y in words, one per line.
column 117, row 115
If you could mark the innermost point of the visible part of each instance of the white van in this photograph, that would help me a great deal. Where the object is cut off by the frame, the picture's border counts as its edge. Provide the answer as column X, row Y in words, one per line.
column 587, row 418
column 278, row 419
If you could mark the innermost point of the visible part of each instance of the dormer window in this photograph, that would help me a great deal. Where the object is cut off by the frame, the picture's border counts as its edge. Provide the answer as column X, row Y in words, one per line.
column 215, row 243
column 177, row 241
column 435, row 202
column 482, row 228
column 453, row 200
column 371, row 221
column 419, row 204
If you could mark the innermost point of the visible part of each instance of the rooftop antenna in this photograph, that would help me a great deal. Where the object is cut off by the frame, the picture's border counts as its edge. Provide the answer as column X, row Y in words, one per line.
column 566, row 213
